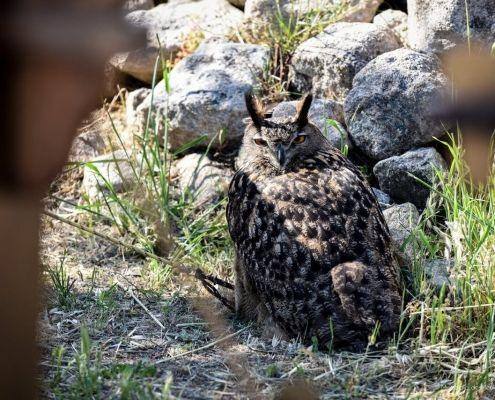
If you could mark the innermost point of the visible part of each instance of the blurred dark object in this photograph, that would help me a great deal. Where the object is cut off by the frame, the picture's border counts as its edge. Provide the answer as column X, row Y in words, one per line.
column 394, row 5
column 472, row 105
column 53, row 57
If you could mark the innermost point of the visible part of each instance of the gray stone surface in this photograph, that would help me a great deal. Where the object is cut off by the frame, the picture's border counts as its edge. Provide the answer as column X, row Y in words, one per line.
column 206, row 181
column 395, row 20
column 394, row 174
column 260, row 12
column 401, row 220
column 207, row 93
column 133, row 5
column 169, row 26
column 319, row 114
column 87, row 146
column 387, row 111
column 437, row 273
column 439, row 25
column 133, row 100
column 327, row 63
column 383, row 198
column 113, row 168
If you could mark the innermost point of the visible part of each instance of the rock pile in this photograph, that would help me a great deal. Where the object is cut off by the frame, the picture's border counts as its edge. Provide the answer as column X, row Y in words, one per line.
column 374, row 77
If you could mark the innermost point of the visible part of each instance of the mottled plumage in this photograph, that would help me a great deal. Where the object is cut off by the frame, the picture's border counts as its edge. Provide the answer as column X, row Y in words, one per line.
column 313, row 253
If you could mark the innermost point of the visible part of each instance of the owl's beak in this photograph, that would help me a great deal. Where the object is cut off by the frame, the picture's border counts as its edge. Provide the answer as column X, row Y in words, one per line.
column 281, row 156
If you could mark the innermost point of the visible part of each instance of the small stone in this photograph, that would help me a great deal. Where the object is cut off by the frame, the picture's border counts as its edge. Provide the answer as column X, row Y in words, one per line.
column 383, row 198
column 397, row 175
column 133, row 5
column 401, row 220
column 114, row 168
column 396, row 21
column 326, row 64
column 133, row 100
column 437, row 273
column 87, row 146
column 205, row 180
column 388, row 108
column 320, row 113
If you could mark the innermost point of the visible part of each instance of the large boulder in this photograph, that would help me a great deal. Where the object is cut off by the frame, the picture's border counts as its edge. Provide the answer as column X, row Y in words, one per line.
column 201, row 178
column 261, row 12
column 439, row 25
column 170, row 26
column 398, row 176
column 401, row 220
column 327, row 63
column 387, row 111
column 207, row 94
column 396, row 21
column 320, row 114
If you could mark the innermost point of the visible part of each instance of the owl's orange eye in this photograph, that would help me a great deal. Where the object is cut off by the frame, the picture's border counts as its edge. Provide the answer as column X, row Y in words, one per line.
column 260, row 141
column 299, row 139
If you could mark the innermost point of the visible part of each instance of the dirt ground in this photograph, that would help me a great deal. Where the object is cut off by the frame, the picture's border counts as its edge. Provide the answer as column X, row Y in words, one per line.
column 165, row 338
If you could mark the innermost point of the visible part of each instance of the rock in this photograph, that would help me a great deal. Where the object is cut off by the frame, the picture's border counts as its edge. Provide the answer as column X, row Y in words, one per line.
column 170, row 26
column 114, row 79
column 319, row 114
column 388, row 107
column 394, row 174
column 437, row 273
column 327, row 63
column 401, row 220
column 87, row 146
column 396, row 21
column 261, row 12
column 207, row 94
column 205, row 180
column 114, row 168
column 439, row 25
column 133, row 5
column 361, row 10
column 383, row 198
column 133, row 100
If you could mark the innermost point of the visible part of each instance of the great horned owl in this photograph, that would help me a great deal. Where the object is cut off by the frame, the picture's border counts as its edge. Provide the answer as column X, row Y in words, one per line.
column 313, row 252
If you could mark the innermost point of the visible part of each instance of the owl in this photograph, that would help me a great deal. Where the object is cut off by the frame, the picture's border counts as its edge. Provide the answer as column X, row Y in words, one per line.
column 313, row 253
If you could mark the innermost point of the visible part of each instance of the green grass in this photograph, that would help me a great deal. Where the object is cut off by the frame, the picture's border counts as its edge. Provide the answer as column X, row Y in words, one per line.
column 86, row 376
column 458, row 224
column 288, row 30
column 62, row 285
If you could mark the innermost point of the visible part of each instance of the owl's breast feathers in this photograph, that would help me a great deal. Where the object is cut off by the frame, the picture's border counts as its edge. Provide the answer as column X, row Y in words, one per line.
column 323, row 208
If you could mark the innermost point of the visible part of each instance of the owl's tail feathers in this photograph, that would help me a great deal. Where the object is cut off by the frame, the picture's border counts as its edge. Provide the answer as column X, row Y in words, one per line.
column 355, row 288
column 367, row 299
column 209, row 281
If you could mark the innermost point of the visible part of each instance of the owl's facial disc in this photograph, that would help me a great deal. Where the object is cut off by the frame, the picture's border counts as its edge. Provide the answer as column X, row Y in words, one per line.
column 279, row 146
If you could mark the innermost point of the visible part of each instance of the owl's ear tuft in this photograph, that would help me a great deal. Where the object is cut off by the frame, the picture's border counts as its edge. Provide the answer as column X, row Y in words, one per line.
column 303, row 110
column 254, row 108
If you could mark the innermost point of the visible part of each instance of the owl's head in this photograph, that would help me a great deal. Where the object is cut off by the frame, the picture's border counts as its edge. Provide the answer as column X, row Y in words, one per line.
column 278, row 144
